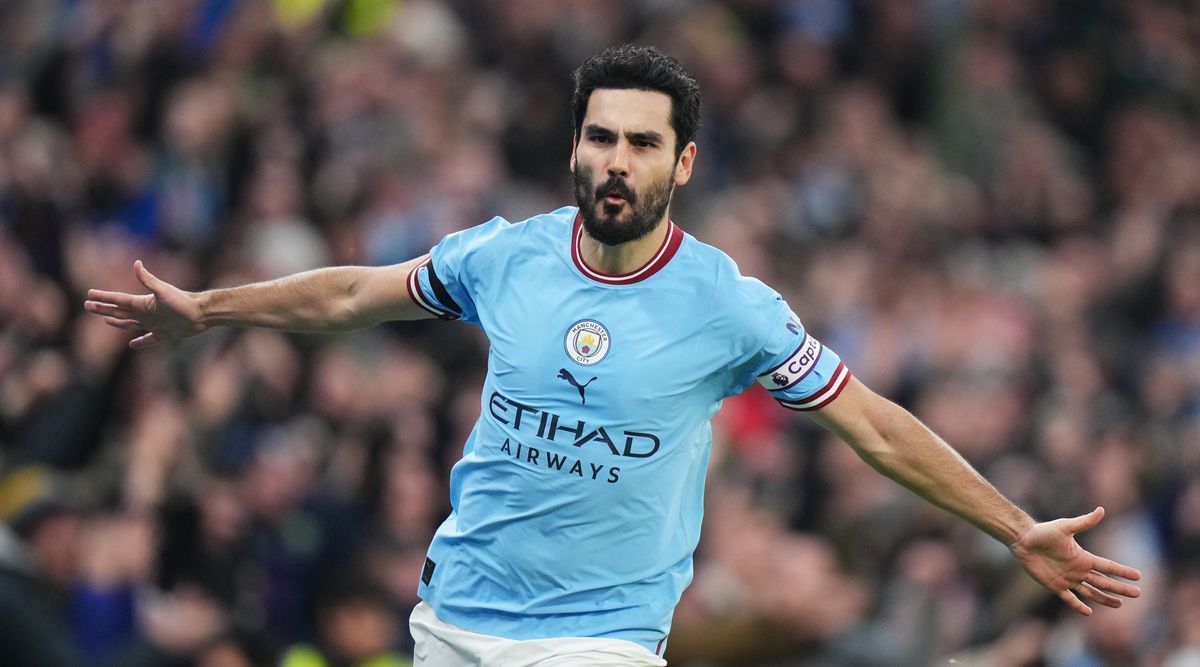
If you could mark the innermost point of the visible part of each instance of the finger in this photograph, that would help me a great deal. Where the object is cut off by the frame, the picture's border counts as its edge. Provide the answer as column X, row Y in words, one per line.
column 126, row 325
column 1098, row 596
column 1082, row 523
column 144, row 341
column 120, row 299
column 1113, row 586
column 146, row 278
column 1114, row 568
column 1074, row 602
column 106, row 309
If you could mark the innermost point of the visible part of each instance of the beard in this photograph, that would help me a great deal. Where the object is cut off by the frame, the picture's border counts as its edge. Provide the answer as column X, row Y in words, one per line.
column 602, row 220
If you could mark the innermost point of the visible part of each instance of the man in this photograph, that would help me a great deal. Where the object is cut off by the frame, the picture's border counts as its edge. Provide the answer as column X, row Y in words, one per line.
column 614, row 337
column 355, row 628
column 39, row 535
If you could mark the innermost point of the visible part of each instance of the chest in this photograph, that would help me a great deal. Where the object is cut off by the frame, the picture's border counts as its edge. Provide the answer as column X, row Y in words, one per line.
column 621, row 351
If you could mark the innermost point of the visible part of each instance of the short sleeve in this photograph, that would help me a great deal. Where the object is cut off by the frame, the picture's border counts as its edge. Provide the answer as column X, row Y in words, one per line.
column 773, row 348
column 448, row 283
column 802, row 373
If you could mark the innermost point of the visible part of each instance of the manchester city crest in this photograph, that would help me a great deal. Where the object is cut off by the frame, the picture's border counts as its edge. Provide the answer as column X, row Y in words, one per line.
column 587, row 342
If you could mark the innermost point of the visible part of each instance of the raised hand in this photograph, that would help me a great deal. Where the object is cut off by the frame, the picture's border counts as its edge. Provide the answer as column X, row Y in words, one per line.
column 166, row 313
column 1049, row 553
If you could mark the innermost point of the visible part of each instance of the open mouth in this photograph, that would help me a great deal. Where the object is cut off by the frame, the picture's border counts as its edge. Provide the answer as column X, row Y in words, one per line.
column 614, row 194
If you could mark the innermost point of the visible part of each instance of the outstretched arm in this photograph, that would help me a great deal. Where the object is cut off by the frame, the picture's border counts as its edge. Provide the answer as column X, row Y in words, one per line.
column 322, row 300
column 898, row 445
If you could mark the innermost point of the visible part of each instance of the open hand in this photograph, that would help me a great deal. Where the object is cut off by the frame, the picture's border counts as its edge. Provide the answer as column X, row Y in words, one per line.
column 1049, row 553
column 166, row 313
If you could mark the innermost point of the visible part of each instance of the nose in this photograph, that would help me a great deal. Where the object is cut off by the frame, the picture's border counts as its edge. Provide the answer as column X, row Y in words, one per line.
column 618, row 164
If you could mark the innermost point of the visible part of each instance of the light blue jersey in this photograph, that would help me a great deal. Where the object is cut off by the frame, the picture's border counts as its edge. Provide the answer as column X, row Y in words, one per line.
column 578, row 501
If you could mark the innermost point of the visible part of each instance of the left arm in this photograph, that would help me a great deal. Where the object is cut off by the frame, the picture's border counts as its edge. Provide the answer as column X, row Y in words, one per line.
column 897, row 444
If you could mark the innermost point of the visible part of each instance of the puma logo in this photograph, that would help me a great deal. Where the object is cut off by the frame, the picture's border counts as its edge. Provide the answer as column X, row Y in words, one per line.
column 564, row 374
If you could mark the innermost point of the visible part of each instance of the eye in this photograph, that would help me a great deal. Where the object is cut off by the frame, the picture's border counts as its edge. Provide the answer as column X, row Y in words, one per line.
column 600, row 139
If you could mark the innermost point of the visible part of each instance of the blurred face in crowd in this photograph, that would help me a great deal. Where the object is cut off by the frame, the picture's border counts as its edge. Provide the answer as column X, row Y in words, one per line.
column 625, row 165
column 359, row 629
column 223, row 654
column 54, row 543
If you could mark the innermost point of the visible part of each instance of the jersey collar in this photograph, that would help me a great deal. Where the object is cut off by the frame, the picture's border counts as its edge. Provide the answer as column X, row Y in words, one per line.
column 666, row 251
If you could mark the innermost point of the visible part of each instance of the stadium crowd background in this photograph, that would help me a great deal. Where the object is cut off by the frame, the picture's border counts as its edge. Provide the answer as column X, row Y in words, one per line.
column 990, row 209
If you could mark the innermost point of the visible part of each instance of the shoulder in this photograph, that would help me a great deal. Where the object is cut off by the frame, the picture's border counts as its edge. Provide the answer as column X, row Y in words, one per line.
column 500, row 237
column 500, row 230
column 733, row 294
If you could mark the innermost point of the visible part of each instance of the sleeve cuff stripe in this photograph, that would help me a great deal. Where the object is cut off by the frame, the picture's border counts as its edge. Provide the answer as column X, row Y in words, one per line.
column 841, row 377
column 418, row 297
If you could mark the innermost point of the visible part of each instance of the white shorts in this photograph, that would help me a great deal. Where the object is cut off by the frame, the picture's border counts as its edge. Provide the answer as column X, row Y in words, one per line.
column 440, row 644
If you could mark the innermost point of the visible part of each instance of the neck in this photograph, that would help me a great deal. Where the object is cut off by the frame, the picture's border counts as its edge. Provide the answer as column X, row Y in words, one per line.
column 625, row 257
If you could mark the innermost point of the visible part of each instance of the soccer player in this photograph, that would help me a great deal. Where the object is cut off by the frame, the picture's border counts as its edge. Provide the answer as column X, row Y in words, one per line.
column 614, row 336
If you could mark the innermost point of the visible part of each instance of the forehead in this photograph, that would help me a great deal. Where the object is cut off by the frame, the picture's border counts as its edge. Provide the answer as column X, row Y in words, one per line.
column 629, row 110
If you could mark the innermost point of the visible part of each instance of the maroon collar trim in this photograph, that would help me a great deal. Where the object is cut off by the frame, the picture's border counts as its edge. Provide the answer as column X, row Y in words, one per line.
column 666, row 251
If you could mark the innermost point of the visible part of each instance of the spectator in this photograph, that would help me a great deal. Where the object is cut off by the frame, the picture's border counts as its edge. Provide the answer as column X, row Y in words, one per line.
column 355, row 628
column 38, row 539
column 1030, row 170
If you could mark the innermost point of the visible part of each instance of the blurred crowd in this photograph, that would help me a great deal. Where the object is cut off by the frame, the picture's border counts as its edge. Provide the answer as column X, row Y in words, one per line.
column 991, row 210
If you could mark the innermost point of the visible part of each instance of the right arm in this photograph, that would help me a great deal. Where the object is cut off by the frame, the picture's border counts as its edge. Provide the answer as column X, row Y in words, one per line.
column 322, row 300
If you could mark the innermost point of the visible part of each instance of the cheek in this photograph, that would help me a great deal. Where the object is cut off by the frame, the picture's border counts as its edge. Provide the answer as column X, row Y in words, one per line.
column 583, row 177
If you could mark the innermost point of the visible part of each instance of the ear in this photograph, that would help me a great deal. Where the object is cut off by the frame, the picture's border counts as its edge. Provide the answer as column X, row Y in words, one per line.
column 683, row 166
column 574, row 147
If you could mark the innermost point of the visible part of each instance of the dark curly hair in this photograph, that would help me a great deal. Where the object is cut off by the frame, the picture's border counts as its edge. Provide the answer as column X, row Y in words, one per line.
column 641, row 68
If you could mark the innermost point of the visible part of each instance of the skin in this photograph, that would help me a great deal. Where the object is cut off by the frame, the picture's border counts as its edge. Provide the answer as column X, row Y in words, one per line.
column 627, row 136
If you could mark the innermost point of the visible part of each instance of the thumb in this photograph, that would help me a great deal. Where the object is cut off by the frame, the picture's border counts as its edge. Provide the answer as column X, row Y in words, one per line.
column 1086, row 521
column 149, row 280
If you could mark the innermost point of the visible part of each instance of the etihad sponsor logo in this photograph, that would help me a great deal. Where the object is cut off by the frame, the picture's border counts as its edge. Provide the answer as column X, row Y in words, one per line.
column 556, row 462
column 575, row 432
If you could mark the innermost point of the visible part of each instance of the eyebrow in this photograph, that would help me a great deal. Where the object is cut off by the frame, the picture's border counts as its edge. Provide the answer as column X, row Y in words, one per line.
column 648, row 136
